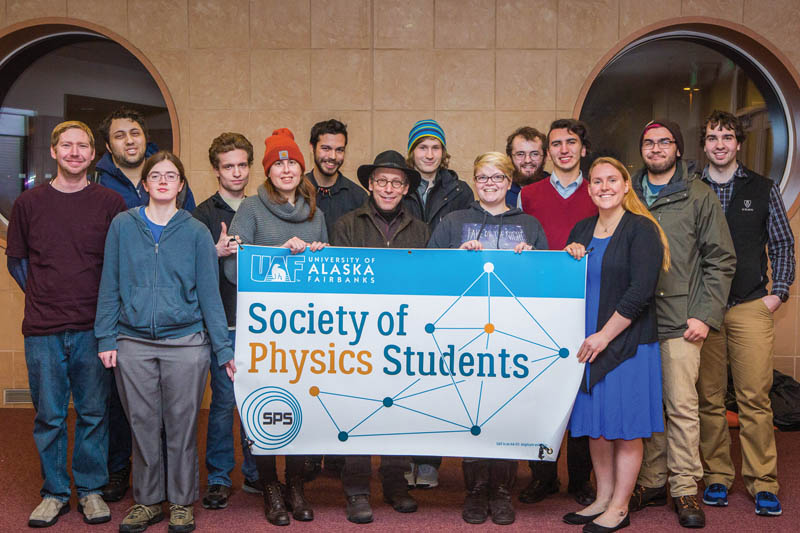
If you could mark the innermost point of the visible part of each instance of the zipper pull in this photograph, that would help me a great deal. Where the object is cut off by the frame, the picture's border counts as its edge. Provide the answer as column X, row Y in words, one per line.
column 156, row 248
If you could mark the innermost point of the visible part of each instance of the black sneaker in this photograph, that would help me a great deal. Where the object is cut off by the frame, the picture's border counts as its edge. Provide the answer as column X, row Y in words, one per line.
column 538, row 490
column 252, row 486
column 117, row 485
column 216, row 497
column 584, row 493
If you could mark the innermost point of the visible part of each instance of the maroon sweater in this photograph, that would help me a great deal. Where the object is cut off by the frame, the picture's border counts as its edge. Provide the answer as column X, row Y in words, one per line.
column 557, row 215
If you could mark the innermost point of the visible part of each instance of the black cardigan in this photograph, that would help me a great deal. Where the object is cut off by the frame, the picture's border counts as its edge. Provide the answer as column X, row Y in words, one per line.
column 630, row 270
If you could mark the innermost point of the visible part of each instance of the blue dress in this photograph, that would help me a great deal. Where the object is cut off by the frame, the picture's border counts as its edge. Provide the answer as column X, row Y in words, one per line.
column 626, row 403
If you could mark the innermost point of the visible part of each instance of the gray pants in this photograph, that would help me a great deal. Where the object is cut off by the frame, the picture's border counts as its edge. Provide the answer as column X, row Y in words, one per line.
column 163, row 380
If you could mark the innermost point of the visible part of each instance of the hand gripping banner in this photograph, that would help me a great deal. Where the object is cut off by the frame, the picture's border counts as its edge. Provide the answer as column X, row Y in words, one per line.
column 408, row 352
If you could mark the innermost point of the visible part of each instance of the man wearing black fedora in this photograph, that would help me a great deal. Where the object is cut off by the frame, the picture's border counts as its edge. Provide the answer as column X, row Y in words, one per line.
column 382, row 222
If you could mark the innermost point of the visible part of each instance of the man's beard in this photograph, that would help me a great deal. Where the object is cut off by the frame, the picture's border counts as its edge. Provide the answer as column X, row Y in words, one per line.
column 123, row 162
column 523, row 180
column 662, row 166
column 318, row 164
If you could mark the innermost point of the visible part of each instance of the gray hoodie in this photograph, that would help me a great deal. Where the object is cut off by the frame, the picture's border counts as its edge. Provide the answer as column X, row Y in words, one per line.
column 499, row 232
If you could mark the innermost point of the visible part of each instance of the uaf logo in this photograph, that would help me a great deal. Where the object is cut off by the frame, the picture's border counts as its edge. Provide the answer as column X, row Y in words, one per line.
column 272, row 269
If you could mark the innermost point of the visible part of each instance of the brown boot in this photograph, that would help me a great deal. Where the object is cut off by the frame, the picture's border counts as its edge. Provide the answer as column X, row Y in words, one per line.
column 502, row 474
column 296, row 500
column 476, row 478
column 274, row 506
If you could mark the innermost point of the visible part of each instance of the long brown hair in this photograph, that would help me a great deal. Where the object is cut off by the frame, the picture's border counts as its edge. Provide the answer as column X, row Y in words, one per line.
column 631, row 202
column 305, row 189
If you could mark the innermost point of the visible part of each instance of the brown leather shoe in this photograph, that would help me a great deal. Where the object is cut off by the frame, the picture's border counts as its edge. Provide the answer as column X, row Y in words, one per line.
column 689, row 512
column 181, row 518
column 140, row 516
column 274, row 506
column 476, row 503
column 400, row 500
column 296, row 501
column 645, row 497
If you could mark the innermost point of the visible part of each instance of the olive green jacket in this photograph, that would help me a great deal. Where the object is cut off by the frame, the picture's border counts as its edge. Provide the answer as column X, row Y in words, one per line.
column 703, row 260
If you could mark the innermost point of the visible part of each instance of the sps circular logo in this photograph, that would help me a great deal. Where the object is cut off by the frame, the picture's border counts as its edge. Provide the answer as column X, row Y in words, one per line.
column 273, row 417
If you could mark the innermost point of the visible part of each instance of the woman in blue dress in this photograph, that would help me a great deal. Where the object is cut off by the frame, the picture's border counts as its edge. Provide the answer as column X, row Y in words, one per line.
column 619, row 401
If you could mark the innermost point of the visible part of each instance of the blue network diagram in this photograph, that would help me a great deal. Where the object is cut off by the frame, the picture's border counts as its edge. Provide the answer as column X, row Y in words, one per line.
column 480, row 332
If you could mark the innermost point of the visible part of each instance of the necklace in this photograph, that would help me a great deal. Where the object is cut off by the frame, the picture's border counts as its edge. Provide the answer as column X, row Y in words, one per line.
column 610, row 227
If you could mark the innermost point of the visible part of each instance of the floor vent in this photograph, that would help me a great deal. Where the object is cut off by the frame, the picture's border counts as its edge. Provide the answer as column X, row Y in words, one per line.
column 14, row 396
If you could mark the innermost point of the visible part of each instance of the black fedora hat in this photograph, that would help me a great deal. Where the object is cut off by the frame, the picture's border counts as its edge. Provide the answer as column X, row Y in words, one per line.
column 389, row 159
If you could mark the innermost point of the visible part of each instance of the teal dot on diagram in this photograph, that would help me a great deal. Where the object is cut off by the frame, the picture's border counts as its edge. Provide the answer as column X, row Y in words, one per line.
column 563, row 353
column 343, row 436
column 475, row 430
column 430, row 328
column 388, row 402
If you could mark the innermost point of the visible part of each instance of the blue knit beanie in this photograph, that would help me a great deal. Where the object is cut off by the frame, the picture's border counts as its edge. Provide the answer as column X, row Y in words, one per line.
column 426, row 128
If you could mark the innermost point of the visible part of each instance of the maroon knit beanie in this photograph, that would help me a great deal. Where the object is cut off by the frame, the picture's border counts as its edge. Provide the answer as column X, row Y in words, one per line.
column 671, row 126
column 280, row 145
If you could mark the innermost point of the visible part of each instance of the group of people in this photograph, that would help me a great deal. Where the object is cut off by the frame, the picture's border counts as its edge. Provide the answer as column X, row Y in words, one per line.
column 130, row 300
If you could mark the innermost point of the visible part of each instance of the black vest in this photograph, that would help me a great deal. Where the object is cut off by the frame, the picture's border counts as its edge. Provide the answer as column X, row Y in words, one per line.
column 748, row 217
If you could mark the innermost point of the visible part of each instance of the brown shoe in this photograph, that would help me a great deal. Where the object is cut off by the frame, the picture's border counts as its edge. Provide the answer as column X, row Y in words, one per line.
column 400, row 500
column 645, row 497
column 689, row 512
column 140, row 516
column 181, row 518
column 476, row 503
column 47, row 512
column 296, row 501
column 274, row 505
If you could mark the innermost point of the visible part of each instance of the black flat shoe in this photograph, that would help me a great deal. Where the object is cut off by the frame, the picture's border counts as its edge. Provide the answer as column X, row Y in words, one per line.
column 591, row 527
column 575, row 519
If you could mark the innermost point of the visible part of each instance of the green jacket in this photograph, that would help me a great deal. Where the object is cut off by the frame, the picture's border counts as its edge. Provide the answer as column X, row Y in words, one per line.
column 359, row 229
column 703, row 260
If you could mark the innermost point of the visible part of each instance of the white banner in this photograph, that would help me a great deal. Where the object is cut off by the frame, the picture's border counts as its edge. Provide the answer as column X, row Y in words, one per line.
column 408, row 352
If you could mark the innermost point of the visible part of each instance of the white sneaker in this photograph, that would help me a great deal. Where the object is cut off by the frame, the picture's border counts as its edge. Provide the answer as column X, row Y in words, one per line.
column 427, row 477
column 47, row 512
column 411, row 476
column 94, row 509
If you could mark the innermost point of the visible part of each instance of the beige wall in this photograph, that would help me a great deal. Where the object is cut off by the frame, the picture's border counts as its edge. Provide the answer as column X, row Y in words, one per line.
column 480, row 67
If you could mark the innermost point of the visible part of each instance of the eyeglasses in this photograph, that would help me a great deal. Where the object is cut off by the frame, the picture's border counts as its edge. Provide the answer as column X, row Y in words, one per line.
column 169, row 176
column 497, row 178
column 522, row 155
column 648, row 144
column 383, row 182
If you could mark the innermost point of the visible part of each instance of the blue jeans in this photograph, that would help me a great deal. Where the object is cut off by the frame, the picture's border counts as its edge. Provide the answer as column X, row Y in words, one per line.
column 220, row 459
column 57, row 365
